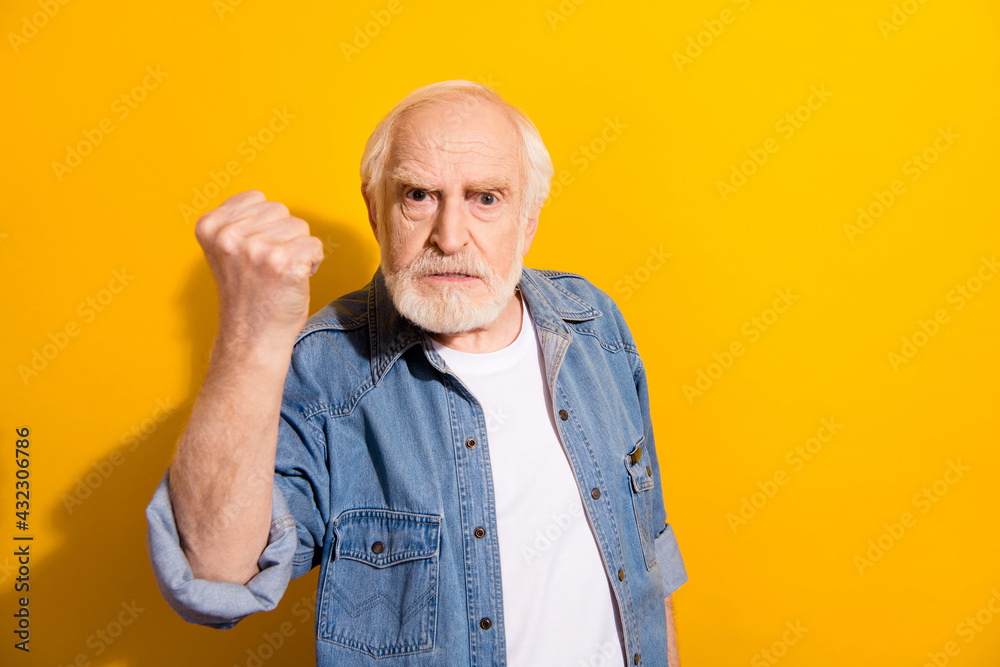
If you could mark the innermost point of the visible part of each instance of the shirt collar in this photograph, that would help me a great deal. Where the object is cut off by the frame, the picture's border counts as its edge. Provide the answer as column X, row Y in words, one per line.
column 392, row 334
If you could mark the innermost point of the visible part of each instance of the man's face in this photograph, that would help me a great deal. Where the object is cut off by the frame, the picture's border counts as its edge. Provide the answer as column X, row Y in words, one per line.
column 449, row 230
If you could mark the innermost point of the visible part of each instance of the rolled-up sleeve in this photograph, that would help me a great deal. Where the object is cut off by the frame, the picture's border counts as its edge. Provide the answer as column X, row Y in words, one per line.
column 668, row 557
column 668, row 554
column 218, row 604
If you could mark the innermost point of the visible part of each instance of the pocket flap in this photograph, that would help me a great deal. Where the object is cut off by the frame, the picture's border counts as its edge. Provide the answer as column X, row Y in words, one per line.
column 638, row 470
column 382, row 538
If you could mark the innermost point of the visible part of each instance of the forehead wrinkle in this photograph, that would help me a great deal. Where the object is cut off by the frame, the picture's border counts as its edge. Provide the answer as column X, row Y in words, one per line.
column 411, row 147
column 439, row 150
column 416, row 135
column 410, row 178
column 457, row 159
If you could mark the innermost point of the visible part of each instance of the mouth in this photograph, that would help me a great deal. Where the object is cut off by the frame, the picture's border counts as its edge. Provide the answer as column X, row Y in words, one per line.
column 453, row 274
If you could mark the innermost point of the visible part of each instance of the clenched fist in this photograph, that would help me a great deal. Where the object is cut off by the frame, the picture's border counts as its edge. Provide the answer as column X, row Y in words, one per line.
column 262, row 258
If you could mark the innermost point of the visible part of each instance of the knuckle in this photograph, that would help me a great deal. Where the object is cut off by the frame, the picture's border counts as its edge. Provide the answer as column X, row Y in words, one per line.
column 298, row 226
column 201, row 234
column 278, row 260
column 227, row 240
column 252, row 196
column 204, row 227
column 316, row 247
column 275, row 208
column 257, row 249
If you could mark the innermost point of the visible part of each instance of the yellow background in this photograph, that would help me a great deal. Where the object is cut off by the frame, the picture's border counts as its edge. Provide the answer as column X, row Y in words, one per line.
column 654, row 185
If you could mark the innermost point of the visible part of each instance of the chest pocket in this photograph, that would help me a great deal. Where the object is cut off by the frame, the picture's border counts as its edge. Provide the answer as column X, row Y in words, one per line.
column 641, row 483
column 381, row 586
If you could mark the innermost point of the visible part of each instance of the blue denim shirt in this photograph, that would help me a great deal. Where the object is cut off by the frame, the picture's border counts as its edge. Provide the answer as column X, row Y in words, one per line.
column 382, row 475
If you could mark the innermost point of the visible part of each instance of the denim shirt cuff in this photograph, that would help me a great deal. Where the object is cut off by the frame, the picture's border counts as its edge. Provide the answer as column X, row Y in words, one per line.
column 668, row 557
column 218, row 604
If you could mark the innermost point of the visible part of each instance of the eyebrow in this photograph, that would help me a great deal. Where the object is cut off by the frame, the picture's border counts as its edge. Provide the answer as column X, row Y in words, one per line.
column 410, row 178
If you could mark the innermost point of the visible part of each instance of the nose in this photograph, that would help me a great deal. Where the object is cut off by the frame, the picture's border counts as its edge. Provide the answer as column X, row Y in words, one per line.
column 450, row 232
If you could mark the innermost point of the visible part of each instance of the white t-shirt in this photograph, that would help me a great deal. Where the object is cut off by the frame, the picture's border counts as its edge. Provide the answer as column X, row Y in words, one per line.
column 558, row 604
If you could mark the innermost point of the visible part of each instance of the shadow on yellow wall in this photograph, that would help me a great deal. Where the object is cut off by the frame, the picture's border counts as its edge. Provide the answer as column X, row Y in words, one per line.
column 110, row 607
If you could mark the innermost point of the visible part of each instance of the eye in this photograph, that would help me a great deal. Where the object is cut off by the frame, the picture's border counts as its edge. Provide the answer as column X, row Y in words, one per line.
column 487, row 198
column 417, row 194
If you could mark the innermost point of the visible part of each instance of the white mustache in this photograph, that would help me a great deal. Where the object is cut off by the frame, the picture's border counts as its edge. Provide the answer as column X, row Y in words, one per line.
column 430, row 263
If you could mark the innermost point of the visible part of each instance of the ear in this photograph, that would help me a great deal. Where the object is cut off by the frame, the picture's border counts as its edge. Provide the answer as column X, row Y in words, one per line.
column 530, row 227
column 372, row 213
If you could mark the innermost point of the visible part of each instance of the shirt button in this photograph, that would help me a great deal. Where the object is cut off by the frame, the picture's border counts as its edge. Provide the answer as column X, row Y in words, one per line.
column 635, row 659
column 470, row 443
column 595, row 493
column 563, row 415
column 378, row 547
column 649, row 471
column 621, row 575
column 479, row 532
column 485, row 624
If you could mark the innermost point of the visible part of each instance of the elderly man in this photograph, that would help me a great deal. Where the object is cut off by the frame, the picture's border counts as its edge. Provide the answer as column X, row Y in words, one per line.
column 463, row 446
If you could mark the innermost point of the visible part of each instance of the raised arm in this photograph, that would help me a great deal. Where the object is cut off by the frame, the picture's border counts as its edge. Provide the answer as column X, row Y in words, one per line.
column 222, row 473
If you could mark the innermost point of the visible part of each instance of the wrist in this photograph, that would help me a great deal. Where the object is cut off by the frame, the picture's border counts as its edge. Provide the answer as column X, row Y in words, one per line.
column 261, row 350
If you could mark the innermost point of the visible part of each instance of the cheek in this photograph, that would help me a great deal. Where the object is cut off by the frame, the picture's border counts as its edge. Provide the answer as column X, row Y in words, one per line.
column 402, row 226
column 495, row 215
column 505, row 253
column 412, row 211
column 404, row 243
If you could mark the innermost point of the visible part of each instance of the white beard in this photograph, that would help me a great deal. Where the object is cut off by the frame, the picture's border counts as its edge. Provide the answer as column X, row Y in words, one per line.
column 450, row 309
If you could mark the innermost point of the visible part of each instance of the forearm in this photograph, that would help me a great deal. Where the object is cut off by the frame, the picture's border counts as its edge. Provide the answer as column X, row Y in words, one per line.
column 673, row 658
column 222, row 474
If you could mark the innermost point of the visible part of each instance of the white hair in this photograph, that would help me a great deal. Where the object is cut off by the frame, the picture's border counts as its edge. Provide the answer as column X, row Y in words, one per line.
column 536, row 165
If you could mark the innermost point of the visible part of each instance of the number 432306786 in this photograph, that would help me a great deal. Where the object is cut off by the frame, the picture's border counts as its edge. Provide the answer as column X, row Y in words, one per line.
column 22, row 485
